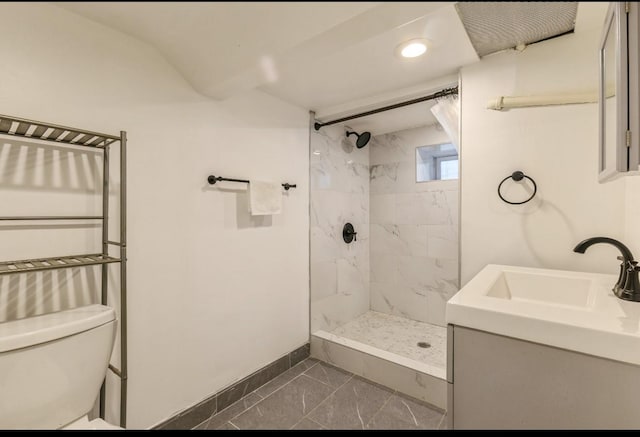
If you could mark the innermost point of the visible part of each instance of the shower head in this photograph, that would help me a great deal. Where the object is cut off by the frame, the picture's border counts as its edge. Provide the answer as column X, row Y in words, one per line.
column 362, row 140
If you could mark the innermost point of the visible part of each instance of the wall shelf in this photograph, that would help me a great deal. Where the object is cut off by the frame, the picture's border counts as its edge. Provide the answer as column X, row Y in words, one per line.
column 21, row 127
column 36, row 265
column 63, row 135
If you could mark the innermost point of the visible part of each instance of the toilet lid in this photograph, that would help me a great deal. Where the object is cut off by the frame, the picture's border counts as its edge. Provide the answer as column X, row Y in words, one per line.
column 17, row 334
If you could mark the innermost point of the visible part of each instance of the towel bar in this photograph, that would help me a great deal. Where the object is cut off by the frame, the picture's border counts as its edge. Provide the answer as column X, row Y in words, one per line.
column 213, row 179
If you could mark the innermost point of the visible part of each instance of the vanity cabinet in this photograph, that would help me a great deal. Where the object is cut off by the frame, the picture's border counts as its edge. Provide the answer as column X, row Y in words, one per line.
column 618, row 96
column 499, row 382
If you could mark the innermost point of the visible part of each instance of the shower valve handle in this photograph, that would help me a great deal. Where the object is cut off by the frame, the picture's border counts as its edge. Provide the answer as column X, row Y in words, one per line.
column 349, row 233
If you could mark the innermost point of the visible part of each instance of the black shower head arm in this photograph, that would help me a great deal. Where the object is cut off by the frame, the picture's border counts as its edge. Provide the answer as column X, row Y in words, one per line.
column 362, row 140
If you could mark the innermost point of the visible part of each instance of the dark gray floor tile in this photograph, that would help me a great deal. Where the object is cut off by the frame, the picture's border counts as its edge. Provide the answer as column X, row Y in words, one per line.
column 306, row 423
column 203, row 425
column 330, row 375
column 308, row 363
column 193, row 417
column 285, row 407
column 200, row 412
column 285, row 377
column 300, row 354
column 352, row 406
column 179, row 422
column 401, row 412
column 170, row 424
column 385, row 421
column 444, row 423
column 252, row 382
column 233, row 410
column 227, row 426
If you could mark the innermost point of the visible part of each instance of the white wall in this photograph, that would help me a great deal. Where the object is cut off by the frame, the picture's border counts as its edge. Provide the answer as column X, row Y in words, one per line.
column 414, row 229
column 557, row 146
column 213, row 294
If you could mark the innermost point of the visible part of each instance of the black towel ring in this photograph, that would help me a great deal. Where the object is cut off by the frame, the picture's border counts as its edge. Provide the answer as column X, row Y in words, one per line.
column 517, row 176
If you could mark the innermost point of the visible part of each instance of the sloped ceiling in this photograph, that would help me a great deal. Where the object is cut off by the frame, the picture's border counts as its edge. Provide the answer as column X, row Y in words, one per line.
column 312, row 54
column 330, row 57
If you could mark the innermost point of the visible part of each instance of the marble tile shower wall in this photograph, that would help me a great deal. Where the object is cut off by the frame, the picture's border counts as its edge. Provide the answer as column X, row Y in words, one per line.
column 339, row 194
column 413, row 230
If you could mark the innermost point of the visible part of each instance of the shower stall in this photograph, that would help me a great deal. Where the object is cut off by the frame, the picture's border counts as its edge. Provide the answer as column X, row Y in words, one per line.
column 384, row 250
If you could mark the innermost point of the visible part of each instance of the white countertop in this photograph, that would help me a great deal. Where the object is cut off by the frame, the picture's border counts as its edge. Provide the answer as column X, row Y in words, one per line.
column 601, row 324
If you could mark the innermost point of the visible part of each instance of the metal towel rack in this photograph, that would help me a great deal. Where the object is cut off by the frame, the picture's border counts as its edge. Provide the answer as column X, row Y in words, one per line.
column 71, row 136
column 213, row 179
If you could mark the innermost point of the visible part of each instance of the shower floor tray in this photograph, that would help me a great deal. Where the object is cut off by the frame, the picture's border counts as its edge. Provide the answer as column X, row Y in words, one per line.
column 400, row 336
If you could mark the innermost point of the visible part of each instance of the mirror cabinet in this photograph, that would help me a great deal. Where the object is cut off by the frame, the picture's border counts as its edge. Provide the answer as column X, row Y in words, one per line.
column 619, row 151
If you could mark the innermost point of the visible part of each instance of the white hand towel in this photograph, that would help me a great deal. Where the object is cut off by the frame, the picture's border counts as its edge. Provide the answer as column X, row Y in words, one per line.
column 265, row 198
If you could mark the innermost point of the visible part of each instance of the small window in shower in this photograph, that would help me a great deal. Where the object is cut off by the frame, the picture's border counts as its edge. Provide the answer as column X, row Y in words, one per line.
column 436, row 162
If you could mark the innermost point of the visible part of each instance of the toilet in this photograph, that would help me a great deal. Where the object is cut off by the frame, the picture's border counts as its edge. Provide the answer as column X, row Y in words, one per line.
column 52, row 367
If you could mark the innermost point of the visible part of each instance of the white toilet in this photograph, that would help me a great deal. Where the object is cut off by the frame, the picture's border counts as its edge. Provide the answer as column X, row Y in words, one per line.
column 52, row 366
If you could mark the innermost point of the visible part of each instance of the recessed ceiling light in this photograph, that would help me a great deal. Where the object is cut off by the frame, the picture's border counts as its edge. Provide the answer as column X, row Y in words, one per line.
column 412, row 48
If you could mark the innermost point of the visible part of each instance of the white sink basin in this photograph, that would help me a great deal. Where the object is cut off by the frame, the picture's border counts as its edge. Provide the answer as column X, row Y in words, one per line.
column 571, row 310
column 542, row 288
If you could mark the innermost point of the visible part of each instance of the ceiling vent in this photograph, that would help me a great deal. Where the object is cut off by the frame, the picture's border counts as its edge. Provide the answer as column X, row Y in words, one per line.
column 495, row 26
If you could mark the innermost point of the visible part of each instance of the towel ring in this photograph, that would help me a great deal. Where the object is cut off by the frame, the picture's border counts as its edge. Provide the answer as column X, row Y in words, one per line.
column 517, row 176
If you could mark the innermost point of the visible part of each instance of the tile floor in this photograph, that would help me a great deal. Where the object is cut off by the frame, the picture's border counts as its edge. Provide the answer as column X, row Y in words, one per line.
column 315, row 395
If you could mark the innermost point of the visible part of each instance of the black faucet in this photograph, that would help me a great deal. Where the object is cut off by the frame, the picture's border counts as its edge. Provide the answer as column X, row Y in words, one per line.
column 628, row 285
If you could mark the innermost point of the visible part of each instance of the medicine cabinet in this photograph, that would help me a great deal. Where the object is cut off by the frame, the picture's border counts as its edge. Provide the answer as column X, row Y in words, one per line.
column 619, row 151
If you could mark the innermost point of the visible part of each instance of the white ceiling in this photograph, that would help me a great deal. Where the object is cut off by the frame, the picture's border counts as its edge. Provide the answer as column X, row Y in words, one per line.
column 312, row 54
column 370, row 67
column 330, row 57
column 590, row 15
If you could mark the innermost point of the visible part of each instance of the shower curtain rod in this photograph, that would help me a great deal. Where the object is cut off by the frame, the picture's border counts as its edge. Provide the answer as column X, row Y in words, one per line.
column 445, row 92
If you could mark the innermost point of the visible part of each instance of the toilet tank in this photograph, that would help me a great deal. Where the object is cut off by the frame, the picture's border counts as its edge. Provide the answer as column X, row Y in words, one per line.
column 52, row 366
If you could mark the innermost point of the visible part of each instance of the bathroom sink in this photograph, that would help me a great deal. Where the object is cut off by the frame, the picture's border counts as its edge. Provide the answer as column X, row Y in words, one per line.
column 571, row 310
column 553, row 289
